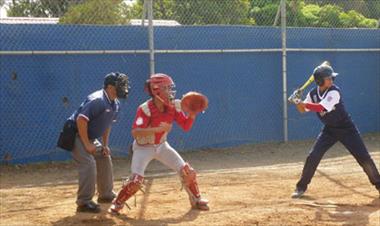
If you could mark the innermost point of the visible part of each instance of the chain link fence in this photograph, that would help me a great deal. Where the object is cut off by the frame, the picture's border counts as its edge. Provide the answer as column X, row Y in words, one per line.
column 300, row 13
column 231, row 50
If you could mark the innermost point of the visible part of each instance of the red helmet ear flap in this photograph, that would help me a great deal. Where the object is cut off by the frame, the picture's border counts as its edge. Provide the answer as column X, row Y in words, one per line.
column 147, row 87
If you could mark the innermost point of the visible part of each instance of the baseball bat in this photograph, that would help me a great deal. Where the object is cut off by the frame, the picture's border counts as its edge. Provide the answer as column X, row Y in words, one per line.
column 297, row 94
column 307, row 83
column 311, row 78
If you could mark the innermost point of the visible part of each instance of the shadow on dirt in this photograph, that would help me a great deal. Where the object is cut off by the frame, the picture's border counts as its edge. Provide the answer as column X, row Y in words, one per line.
column 329, row 211
column 189, row 216
column 105, row 219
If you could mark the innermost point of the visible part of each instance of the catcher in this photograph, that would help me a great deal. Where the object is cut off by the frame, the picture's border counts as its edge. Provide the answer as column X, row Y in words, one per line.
column 152, row 124
column 326, row 101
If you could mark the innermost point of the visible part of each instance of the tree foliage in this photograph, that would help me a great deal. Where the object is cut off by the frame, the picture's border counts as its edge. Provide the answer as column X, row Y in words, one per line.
column 315, row 14
column 200, row 12
column 40, row 8
column 300, row 13
column 97, row 12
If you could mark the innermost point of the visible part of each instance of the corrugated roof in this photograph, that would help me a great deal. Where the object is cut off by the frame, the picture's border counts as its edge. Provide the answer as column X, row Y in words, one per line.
column 28, row 20
column 46, row 20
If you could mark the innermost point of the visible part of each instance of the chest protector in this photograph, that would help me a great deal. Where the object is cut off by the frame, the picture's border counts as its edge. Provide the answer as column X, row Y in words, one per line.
column 155, row 119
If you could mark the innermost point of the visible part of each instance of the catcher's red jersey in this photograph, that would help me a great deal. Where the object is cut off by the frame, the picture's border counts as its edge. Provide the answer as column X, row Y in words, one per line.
column 148, row 116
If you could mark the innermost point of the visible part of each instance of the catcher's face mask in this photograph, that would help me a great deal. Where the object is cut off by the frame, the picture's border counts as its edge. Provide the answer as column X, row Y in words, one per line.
column 162, row 87
column 122, row 86
column 169, row 92
column 166, row 93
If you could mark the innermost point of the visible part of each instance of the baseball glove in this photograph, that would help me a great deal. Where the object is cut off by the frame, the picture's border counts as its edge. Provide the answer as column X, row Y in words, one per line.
column 194, row 102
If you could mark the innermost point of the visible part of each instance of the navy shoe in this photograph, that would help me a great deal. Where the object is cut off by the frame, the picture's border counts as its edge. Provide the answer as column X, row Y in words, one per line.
column 90, row 207
column 297, row 193
column 105, row 200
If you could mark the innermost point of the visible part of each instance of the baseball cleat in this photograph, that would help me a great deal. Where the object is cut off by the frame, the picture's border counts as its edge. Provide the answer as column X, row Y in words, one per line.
column 90, row 207
column 297, row 193
column 115, row 209
column 201, row 204
column 105, row 200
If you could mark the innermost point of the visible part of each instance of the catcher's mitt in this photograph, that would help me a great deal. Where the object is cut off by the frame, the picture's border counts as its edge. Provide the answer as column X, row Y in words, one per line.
column 194, row 102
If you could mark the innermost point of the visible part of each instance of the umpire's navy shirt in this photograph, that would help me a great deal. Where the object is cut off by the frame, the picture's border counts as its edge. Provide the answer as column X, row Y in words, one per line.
column 99, row 111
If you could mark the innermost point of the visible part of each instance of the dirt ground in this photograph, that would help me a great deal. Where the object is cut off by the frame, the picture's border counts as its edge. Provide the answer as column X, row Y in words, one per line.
column 246, row 185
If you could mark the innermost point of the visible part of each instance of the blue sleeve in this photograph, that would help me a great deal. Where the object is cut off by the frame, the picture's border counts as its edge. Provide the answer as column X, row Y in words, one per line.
column 91, row 109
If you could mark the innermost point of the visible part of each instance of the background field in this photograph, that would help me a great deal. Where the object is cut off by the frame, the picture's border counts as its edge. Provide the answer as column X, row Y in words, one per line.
column 246, row 185
column 247, row 56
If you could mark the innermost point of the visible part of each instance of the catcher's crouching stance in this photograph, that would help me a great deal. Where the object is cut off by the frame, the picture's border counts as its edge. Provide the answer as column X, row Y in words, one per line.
column 152, row 124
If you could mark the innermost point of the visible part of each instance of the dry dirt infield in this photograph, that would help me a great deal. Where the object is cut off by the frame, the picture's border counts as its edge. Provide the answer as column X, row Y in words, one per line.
column 247, row 185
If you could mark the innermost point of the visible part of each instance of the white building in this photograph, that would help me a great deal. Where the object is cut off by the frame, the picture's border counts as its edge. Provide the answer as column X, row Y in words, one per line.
column 28, row 20
column 3, row 9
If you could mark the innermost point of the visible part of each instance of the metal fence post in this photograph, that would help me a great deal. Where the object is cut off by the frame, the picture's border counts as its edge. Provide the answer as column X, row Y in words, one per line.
column 277, row 15
column 151, row 36
column 143, row 16
column 284, row 74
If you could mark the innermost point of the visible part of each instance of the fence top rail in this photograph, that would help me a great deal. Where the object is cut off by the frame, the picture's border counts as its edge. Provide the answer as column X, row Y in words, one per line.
column 168, row 51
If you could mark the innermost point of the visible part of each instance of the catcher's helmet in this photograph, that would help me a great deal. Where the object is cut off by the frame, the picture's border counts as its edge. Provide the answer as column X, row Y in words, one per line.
column 323, row 71
column 120, row 81
column 156, row 84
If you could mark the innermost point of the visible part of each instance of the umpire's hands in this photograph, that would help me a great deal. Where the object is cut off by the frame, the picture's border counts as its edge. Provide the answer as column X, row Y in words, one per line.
column 106, row 151
column 90, row 148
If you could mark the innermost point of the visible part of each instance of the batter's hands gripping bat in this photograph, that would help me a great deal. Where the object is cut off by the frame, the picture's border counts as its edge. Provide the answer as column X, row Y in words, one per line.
column 296, row 96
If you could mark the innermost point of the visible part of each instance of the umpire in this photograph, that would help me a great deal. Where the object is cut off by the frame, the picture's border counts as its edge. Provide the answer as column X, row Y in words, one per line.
column 92, row 121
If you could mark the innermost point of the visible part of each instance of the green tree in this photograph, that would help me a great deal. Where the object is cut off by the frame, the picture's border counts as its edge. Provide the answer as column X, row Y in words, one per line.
column 98, row 12
column 316, row 13
column 162, row 9
column 310, row 15
column 262, row 3
column 368, row 8
column 334, row 16
column 329, row 16
column 355, row 19
column 26, row 8
column 373, row 9
column 264, row 12
column 265, row 15
column 294, row 15
column 40, row 8
column 199, row 12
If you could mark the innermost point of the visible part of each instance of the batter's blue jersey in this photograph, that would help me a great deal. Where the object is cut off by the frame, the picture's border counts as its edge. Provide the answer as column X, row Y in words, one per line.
column 337, row 116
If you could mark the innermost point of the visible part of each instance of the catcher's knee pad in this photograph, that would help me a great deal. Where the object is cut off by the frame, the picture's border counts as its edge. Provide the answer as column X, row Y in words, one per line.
column 189, row 182
column 130, row 187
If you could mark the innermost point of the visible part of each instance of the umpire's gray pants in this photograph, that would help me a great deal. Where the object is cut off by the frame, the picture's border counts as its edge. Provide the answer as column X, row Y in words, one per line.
column 92, row 169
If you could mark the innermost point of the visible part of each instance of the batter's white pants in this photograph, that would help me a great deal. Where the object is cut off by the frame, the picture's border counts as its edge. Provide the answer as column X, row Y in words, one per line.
column 164, row 153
